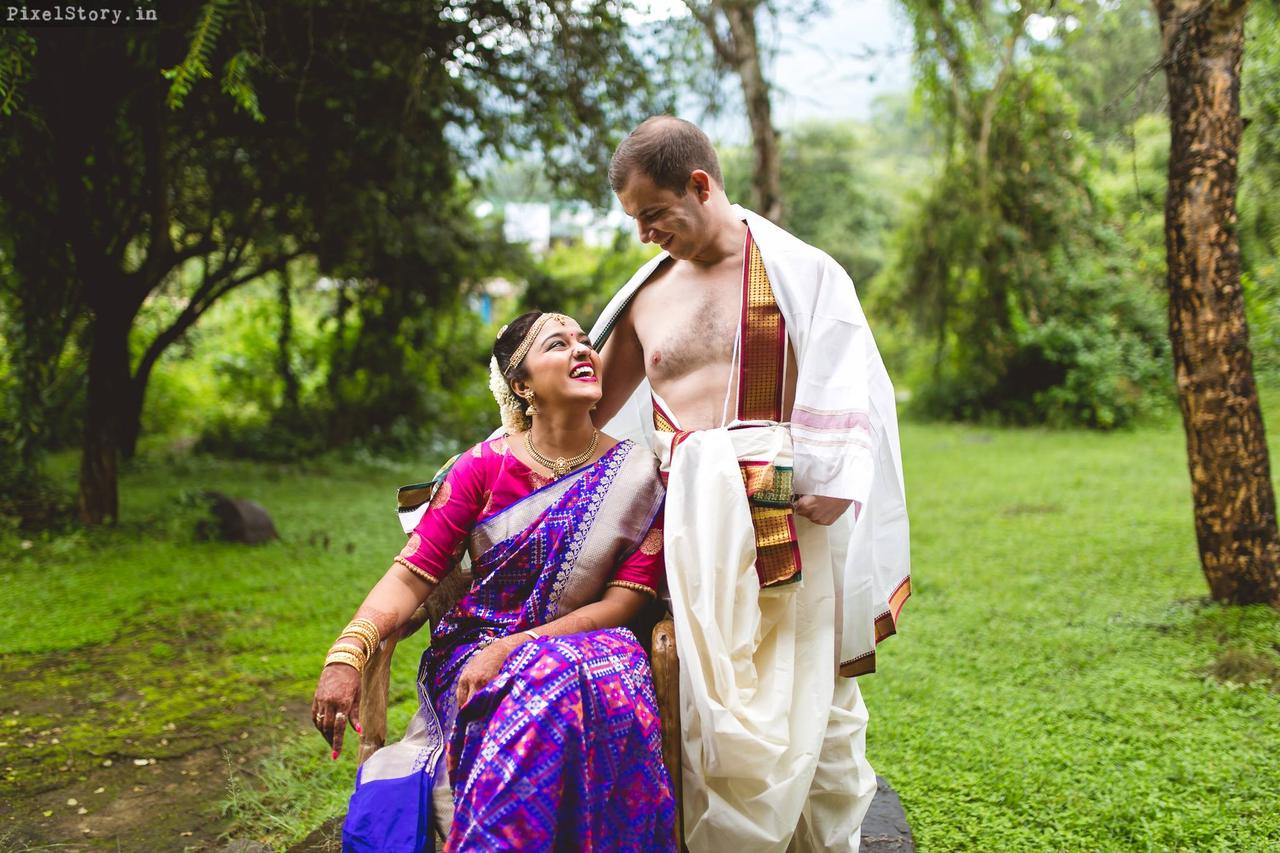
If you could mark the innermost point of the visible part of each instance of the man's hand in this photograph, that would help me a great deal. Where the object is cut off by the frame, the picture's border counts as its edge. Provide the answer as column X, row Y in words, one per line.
column 820, row 510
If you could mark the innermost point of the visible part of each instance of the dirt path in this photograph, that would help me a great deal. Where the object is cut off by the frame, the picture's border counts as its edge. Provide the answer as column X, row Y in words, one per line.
column 127, row 747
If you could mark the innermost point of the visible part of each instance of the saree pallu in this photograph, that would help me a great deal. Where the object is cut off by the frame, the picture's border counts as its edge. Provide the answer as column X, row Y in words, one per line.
column 562, row 750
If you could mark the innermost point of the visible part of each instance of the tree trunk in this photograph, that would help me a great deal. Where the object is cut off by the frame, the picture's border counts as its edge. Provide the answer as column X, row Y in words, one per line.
column 109, row 387
column 1235, row 507
column 766, row 180
column 129, row 429
column 284, row 342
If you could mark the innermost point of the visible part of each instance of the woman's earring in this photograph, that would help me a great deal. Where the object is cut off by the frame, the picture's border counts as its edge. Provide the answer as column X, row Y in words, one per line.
column 532, row 408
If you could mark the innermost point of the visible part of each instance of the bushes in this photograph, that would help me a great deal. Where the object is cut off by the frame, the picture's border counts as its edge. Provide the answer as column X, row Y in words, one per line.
column 1024, row 283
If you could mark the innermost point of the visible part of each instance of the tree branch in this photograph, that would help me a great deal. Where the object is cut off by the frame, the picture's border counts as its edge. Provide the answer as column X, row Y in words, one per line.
column 706, row 16
column 992, row 100
column 209, row 292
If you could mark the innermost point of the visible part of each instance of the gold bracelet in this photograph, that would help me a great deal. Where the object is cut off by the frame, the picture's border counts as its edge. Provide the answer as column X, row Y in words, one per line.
column 358, row 651
column 366, row 642
column 364, row 628
column 367, row 623
column 347, row 658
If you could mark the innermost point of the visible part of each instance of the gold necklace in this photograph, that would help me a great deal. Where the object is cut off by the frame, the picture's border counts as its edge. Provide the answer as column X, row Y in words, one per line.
column 561, row 466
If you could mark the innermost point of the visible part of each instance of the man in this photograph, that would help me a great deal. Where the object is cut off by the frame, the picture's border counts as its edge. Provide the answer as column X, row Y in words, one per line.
column 742, row 357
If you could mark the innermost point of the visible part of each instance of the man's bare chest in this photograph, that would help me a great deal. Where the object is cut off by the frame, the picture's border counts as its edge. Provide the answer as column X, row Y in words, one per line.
column 687, row 326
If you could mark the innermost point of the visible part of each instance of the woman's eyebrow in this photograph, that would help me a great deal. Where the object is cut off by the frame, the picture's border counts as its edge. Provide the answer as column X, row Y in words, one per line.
column 554, row 336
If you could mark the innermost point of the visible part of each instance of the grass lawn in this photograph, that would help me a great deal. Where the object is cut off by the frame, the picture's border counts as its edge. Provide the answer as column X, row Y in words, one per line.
column 1058, row 682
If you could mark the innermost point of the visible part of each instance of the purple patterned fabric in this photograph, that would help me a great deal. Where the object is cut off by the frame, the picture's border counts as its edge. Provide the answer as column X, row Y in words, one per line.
column 563, row 751
column 517, row 581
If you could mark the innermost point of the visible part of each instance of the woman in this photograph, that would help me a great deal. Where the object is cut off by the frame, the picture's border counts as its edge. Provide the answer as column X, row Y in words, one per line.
column 537, row 707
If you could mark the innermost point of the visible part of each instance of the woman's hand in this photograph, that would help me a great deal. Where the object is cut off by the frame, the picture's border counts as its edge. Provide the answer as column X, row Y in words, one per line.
column 337, row 702
column 484, row 666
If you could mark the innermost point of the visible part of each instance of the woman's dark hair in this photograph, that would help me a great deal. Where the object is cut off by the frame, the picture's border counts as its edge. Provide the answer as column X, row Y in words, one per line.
column 506, row 345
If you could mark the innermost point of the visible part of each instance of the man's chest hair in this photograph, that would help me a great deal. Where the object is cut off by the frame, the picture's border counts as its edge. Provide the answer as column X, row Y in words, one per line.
column 687, row 325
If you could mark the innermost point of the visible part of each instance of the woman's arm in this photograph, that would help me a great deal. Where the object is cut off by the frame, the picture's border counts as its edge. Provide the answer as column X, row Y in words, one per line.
column 618, row 607
column 388, row 606
column 429, row 554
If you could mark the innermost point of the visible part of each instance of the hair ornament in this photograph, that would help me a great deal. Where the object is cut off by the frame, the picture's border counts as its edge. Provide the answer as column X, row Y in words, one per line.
column 513, row 417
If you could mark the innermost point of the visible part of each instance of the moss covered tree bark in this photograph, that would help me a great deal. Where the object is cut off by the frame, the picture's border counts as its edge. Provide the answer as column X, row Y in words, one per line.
column 1235, row 506
column 738, row 47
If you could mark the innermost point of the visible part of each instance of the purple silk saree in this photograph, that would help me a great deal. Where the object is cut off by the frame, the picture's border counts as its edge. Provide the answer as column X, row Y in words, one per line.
column 562, row 750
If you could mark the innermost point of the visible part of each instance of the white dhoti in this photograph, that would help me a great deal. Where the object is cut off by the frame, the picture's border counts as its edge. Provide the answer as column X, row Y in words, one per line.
column 773, row 740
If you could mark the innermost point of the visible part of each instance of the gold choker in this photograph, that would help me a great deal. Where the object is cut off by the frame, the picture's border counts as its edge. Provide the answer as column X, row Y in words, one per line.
column 561, row 466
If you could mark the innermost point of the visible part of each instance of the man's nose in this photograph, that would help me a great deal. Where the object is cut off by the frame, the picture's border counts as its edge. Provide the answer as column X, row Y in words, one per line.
column 645, row 231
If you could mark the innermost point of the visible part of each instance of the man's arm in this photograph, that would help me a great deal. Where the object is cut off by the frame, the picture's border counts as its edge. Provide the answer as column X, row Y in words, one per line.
column 622, row 361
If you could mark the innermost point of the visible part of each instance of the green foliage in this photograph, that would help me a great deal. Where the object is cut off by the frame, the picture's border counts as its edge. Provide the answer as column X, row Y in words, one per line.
column 17, row 50
column 827, row 192
column 237, row 84
column 1259, row 198
column 204, row 39
column 1034, row 309
column 1107, row 57
column 580, row 280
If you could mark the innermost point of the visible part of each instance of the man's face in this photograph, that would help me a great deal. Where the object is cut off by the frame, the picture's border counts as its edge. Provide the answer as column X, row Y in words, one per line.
column 677, row 223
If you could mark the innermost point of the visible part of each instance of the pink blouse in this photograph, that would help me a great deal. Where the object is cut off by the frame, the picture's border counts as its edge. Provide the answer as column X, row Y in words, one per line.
column 485, row 480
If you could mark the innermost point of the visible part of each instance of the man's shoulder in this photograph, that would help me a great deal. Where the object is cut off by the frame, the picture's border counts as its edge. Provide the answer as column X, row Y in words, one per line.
column 777, row 243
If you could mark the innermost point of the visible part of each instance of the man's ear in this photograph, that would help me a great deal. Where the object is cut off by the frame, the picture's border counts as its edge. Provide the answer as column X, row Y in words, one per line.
column 700, row 184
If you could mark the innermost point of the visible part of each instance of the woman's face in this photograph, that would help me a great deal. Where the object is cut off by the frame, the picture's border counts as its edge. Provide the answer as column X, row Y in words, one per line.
column 561, row 368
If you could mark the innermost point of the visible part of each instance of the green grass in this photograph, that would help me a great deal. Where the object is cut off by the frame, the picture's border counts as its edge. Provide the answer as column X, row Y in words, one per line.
column 143, row 642
column 1048, row 689
column 1058, row 682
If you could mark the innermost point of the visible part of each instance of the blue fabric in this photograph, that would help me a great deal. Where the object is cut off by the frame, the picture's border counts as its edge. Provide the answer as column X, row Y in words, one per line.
column 390, row 815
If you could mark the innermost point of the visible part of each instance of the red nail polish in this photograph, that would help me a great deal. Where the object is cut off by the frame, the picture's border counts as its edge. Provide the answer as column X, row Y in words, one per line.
column 335, row 755
column 359, row 730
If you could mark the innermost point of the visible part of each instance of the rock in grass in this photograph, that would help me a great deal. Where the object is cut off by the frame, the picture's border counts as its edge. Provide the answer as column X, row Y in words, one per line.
column 237, row 520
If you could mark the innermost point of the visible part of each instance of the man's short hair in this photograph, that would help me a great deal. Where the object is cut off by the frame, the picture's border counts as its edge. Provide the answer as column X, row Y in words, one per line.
column 666, row 149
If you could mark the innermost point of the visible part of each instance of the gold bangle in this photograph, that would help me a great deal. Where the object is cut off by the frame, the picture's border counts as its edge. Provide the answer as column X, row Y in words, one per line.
column 333, row 657
column 366, row 642
column 364, row 626
column 347, row 658
column 358, row 651
column 365, row 630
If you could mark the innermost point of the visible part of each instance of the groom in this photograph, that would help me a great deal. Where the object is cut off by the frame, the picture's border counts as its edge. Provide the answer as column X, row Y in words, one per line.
column 741, row 356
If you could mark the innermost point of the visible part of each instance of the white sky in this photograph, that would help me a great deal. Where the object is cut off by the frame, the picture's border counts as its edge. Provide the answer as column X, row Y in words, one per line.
column 832, row 66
